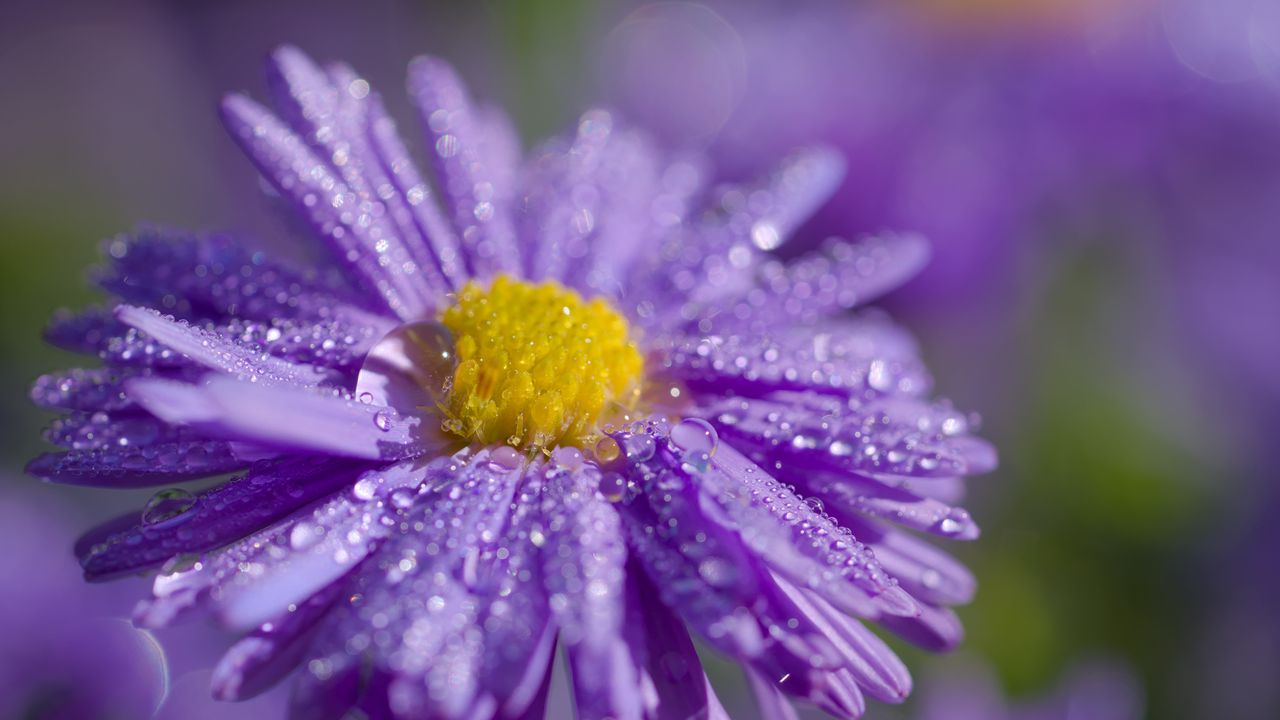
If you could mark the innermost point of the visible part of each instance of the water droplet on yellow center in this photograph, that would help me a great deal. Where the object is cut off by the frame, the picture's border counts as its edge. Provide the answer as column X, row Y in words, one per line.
column 537, row 365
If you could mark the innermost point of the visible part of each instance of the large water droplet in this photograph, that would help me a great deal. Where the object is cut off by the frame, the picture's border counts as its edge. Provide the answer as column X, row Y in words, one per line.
column 506, row 457
column 607, row 450
column 408, row 368
column 695, row 435
column 613, row 486
column 382, row 419
column 639, row 447
column 168, row 508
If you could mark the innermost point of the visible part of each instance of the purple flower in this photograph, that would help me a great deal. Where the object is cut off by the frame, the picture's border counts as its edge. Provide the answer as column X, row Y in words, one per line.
column 567, row 400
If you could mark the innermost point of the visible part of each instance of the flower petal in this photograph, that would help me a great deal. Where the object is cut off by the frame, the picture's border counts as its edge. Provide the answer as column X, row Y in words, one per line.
column 217, row 352
column 584, row 569
column 860, row 357
column 462, row 156
column 283, row 417
column 353, row 229
column 132, row 467
column 258, row 661
column 216, row 517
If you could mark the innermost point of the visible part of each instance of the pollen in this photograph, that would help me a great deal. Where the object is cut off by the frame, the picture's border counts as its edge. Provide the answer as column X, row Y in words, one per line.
column 537, row 365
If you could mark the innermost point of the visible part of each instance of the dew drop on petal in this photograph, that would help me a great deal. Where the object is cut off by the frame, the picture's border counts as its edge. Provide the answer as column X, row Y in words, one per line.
column 612, row 486
column 505, row 457
column 303, row 535
column 607, row 450
column 168, row 508
column 382, row 419
column 695, row 435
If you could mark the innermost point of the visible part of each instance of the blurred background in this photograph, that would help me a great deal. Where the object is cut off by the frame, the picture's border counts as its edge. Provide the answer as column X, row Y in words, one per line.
column 1101, row 182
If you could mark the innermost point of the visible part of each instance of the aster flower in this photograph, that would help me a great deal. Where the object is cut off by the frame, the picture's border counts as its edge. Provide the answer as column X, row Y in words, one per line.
column 566, row 400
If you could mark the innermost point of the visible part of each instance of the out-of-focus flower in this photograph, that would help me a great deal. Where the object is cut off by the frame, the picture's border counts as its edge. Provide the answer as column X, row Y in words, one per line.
column 64, row 655
column 568, row 398
column 965, row 690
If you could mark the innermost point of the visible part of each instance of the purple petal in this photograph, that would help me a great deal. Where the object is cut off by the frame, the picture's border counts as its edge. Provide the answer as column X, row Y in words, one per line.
column 936, row 629
column 861, row 357
column 262, row 575
column 99, row 430
column 92, row 390
column 674, row 685
column 353, row 230
column 132, row 467
column 584, row 566
column 841, row 276
column 461, row 154
column 331, row 112
column 214, row 276
column 260, row 660
column 216, row 352
column 875, row 667
column 283, row 417
column 216, row 517
column 434, row 595
column 85, row 331
column 890, row 435
column 773, row 705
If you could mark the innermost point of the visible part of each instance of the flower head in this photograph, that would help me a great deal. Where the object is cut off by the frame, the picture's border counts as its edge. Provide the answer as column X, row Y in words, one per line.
column 571, row 399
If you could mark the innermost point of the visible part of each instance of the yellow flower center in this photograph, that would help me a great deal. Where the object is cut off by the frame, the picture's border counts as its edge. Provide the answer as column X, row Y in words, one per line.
column 537, row 366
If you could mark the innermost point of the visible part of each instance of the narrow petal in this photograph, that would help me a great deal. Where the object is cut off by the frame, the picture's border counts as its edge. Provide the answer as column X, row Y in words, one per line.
column 772, row 703
column 217, row 352
column 461, row 155
column 885, row 436
column 584, row 569
column 353, row 230
column 330, row 110
column 259, row 577
column 133, row 467
column 195, row 276
column 860, row 357
column 842, row 275
column 216, row 517
column 282, row 417
column 260, row 660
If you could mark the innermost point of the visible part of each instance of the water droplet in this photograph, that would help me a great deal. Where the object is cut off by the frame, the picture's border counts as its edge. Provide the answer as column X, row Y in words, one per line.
column 695, row 462
column 365, row 489
column 840, row 448
column 382, row 419
column 168, row 508
column 408, row 367
column 403, row 497
column 505, row 457
column 613, row 486
column 717, row 572
column 931, row 579
column 639, row 447
column 304, row 535
column 695, row 435
column 607, row 450
column 569, row 458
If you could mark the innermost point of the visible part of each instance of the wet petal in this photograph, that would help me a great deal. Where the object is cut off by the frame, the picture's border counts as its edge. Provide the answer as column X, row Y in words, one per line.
column 284, row 417
column 217, row 352
column 462, row 154
column 216, row 517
